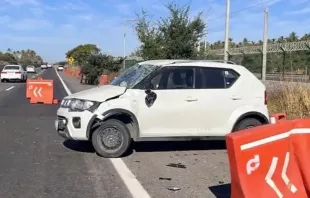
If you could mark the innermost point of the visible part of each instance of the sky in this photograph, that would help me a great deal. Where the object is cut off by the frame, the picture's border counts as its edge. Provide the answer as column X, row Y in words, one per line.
column 52, row 27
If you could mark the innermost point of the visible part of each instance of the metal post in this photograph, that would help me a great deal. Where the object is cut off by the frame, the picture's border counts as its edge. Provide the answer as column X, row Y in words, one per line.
column 124, row 47
column 264, row 65
column 227, row 31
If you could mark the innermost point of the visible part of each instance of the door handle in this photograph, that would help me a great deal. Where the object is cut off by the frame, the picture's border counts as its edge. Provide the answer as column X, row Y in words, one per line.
column 236, row 98
column 190, row 99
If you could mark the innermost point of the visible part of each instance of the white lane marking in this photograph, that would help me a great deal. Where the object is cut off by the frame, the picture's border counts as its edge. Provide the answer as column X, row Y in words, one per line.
column 274, row 138
column 130, row 180
column 8, row 89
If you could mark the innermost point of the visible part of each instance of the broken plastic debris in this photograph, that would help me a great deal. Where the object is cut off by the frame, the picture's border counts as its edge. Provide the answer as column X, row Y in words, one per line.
column 173, row 188
column 178, row 165
column 165, row 178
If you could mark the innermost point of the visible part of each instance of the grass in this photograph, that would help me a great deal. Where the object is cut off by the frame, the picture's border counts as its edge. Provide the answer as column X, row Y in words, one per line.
column 290, row 98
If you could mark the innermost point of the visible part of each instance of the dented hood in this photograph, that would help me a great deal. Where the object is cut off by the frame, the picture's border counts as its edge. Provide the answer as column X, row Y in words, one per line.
column 100, row 93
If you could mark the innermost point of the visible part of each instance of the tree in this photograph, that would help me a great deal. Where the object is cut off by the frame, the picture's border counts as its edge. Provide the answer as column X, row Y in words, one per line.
column 81, row 52
column 29, row 57
column 174, row 37
column 97, row 64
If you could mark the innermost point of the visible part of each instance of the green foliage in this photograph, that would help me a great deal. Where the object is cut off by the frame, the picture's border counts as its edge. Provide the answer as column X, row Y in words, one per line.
column 30, row 57
column 97, row 64
column 82, row 52
column 23, row 57
column 173, row 37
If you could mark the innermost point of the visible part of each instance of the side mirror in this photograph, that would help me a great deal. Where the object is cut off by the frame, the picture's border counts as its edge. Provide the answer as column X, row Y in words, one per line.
column 148, row 91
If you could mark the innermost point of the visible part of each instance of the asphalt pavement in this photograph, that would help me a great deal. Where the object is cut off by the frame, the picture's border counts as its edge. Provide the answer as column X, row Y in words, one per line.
column 35, row 162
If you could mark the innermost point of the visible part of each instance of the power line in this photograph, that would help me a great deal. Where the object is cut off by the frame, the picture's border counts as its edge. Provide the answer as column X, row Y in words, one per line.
column 247, row 8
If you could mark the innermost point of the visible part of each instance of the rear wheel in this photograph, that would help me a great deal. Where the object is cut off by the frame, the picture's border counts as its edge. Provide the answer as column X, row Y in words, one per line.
column 247, row 123
column 112, row 139
column 2, row 80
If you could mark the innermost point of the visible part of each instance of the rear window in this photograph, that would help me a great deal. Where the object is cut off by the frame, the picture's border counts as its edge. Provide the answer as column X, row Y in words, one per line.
column 30, row 66
column 11, row 68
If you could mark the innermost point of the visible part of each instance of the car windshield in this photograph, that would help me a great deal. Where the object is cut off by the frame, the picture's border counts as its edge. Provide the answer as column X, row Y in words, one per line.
column 11, row 68
column 133, row 75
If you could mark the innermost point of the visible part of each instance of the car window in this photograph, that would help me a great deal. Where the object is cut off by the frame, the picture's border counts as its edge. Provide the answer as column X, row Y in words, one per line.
column 216, row 78
column 11, row 68
column 155, row 81
column 180, row 78
column 230, row 78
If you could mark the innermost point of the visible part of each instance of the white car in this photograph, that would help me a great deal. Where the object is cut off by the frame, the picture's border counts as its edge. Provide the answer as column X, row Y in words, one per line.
column 60, row 68
column 49, row 66
column 162, row 100
column 13, row 72
column 31, row 69
column 43, row 66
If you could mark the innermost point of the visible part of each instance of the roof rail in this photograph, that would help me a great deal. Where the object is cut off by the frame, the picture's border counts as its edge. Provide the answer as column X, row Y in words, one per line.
column 221, row 61
column 218, row 61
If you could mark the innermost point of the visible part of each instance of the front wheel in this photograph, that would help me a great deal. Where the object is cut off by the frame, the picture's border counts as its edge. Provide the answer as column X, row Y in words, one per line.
column 247, row 123
column 112, row 139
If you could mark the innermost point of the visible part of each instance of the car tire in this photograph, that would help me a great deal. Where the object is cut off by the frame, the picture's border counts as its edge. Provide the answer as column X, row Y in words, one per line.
column 106, row 146
column 247, row 123
column 2, row 80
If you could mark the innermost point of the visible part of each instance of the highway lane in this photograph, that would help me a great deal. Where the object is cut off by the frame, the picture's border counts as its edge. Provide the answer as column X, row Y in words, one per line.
column 35, row 162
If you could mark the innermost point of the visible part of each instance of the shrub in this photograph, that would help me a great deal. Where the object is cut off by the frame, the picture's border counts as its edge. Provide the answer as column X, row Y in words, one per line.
column 290, row 98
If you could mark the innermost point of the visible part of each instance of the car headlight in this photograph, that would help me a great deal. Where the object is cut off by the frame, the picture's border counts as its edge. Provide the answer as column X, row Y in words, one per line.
column 79, row 105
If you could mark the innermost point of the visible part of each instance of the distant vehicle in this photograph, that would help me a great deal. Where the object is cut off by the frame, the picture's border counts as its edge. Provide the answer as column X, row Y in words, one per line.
column 49, row 66
column 43, row 66
column 161, row 100
column 13, row 72
column 31, row 69
column 60, row 68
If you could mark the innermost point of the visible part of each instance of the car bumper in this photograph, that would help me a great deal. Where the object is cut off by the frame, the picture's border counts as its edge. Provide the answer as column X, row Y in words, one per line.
column 73, row 125
column 12, row 77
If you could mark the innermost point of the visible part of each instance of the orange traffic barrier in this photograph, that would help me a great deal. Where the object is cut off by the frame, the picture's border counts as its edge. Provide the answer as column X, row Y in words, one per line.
column 40, row 91
column 277, row 117
column 29, row 89
column 104, row 79
column 271, row 160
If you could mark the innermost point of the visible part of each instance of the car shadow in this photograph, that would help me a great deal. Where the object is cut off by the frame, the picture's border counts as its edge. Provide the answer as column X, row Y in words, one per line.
column 167, row 146
column 221, row 191
column 79, row 146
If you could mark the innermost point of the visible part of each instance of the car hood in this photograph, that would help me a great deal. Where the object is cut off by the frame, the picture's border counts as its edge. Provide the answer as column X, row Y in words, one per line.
column 100, row 93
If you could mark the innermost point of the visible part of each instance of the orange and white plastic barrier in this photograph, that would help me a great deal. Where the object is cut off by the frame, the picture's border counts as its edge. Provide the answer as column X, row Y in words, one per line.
column 40, row 91
column 271, row 160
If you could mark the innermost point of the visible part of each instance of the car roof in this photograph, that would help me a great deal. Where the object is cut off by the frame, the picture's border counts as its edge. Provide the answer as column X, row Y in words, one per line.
column 194, row 63
column 160, row 62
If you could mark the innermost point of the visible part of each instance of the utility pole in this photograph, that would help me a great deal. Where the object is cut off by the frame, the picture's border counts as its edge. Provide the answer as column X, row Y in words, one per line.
column 206, row 41
column 124, row 39
column 227, row 30
column 264, row 64
column 124, row 47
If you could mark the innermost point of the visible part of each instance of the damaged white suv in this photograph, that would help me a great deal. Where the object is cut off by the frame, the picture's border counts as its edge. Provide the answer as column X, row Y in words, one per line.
column 162, row 100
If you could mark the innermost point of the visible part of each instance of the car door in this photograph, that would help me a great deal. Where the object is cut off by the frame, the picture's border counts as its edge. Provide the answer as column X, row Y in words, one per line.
column 218, row 98
column 174, row 108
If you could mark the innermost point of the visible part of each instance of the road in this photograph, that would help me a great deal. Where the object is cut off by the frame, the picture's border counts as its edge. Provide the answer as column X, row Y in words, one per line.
column 35, row 162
